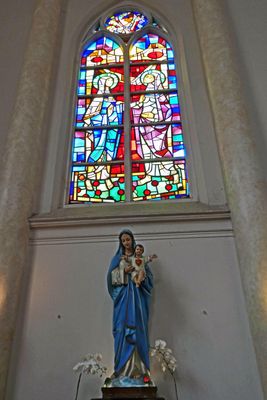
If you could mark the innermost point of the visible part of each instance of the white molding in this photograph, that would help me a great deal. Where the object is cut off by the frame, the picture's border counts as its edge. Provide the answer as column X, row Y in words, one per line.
column 76, row 230
column 55, row 221
column 51, row 241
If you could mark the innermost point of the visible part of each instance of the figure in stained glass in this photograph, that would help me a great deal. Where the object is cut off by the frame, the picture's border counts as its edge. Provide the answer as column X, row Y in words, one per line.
column 103, row 112
column 153, row 140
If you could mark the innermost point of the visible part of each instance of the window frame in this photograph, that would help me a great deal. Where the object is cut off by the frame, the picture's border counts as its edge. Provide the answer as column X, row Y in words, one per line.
column 91, row 36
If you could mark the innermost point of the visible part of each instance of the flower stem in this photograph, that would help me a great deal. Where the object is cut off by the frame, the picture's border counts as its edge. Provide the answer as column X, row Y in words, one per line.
column 78, row 386
column 175, row 385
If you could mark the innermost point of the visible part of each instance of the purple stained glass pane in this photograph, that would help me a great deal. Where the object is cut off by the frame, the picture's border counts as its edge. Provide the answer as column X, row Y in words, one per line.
column 155, row 107
column 157, row 141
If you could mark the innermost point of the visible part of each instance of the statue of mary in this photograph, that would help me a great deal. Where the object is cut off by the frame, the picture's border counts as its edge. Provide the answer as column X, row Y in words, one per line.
column 130, row 317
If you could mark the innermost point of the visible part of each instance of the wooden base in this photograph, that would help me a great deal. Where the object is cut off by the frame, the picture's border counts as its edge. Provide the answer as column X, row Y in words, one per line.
column 130, row 393
column 139, row 392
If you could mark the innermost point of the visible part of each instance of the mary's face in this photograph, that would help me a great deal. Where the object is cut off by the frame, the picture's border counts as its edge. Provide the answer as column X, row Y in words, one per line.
column 127, row 242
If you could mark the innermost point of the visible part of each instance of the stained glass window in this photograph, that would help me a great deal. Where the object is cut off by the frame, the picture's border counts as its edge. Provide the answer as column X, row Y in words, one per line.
column 141, row 157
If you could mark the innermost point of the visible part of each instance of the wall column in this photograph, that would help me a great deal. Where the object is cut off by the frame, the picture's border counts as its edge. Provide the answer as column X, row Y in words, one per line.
column 243, row 175
column 20, row 167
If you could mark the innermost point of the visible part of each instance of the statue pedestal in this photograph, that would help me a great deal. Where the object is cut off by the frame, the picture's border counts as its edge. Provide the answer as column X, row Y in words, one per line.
column 125, row 393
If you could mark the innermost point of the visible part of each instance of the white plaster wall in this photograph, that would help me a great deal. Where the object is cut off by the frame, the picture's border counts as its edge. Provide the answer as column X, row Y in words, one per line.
column 197, row 308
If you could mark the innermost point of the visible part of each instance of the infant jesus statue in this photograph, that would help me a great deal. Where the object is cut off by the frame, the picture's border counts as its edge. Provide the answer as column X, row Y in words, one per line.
column 138, row 262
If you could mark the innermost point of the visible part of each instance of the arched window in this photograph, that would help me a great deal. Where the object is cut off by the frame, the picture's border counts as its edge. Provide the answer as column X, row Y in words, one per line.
column 128, row 139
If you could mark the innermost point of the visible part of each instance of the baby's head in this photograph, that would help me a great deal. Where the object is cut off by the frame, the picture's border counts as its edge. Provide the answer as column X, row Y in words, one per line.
column 139, row 250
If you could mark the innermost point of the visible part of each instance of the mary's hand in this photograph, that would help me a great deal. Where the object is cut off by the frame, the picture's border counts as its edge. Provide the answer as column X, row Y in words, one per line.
column 128, row 269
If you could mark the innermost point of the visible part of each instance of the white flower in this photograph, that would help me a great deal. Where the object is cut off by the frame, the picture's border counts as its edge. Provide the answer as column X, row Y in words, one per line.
column 172, row 367
column 164, row 356
column 78, row 367
column 98, row 357
column 88, row 357
column 167, row 351
column 153, row 352
column 86, row 366
column 172, row 360
column 91, row 364
column 166, row 359
column 93, row 369
column 167, row 356
column 160, row 344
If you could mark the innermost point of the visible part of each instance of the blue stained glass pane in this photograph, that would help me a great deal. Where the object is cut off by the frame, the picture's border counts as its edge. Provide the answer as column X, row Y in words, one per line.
column 78, row 168
column 109, row 42
column 82, row 74
column 106, row 144
column 79, row 142
column 80, row 157
column 170, row 54
column 173, row 99
column 178, row 138
column 79, row 149
column 81, row 90
column 71, row 188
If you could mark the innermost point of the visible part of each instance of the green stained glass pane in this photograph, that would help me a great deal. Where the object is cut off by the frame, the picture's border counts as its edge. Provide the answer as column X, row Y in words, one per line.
column 97, row 184
column 159, row 180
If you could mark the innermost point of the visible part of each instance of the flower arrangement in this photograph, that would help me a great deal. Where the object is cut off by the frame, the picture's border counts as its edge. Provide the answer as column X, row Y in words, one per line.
column 90, row 364
column 164, row 356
